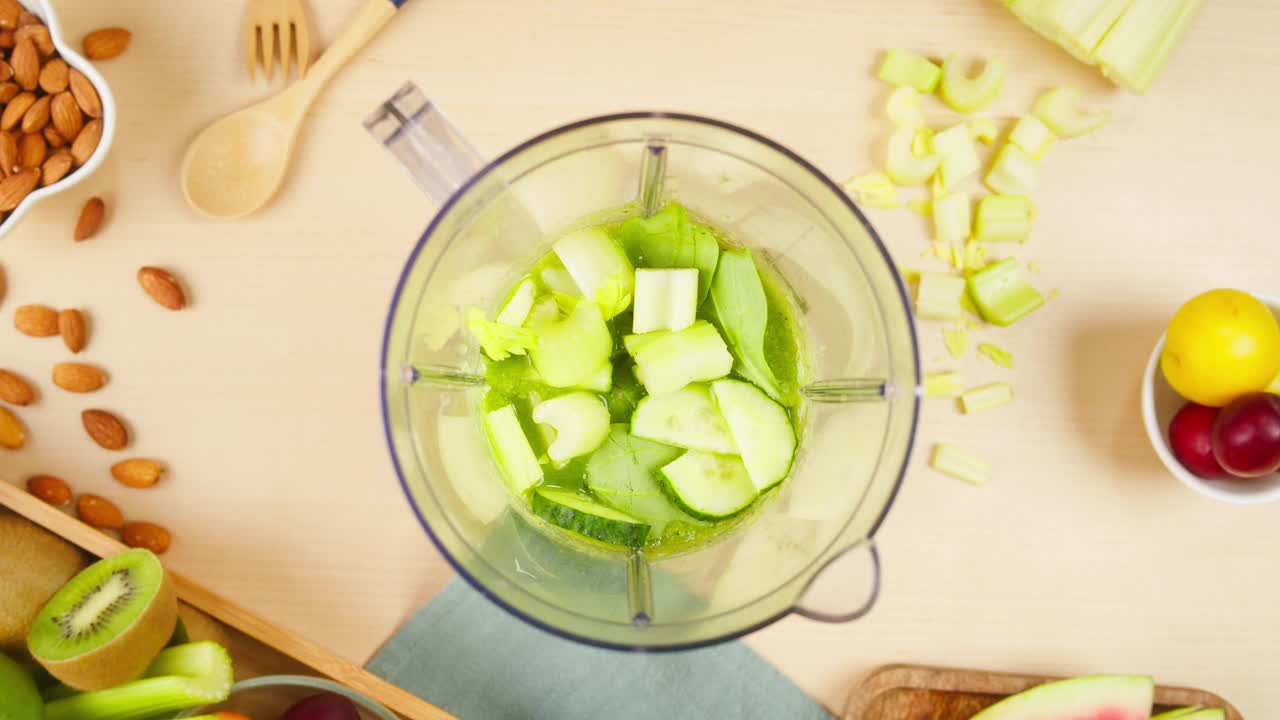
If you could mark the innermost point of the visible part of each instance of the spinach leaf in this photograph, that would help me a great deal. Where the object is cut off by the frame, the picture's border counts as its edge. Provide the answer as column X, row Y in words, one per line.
column 742, row 310
column 668, row 240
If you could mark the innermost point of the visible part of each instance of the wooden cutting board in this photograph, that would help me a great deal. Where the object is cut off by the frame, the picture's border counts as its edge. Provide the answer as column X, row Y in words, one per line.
column 257, row 646
column 912, row 692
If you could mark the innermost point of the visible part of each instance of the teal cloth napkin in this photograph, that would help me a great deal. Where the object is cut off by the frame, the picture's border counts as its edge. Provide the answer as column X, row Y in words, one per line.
column 465, row 654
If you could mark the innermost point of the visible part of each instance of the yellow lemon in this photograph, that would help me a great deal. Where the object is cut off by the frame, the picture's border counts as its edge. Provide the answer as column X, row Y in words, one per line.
column 1221, row 345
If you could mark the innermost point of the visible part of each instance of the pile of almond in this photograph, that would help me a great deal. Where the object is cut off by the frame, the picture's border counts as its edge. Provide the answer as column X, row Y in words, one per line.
column 50, row 114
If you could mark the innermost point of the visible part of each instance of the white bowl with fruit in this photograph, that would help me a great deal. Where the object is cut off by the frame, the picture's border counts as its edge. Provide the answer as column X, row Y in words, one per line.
column 1209, row 398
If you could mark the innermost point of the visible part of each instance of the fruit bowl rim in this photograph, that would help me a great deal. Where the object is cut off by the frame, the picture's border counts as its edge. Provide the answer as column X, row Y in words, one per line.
column 266, row 682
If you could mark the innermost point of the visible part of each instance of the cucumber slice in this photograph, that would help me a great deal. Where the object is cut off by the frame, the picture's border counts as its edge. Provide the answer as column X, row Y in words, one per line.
column 571, row 351
column 599, row 268
column 622, row 474
column 516, row 310
column 578, row 514
column 511, row 449
column 760, row 428
column 709, row 486
column 685, row 418
column 665, row 300
column 668, row 361
column 581, row 422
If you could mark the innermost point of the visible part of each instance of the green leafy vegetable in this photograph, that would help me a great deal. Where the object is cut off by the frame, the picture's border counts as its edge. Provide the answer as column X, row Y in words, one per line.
column 743, row 312
column 669, row 240
column 498, row 340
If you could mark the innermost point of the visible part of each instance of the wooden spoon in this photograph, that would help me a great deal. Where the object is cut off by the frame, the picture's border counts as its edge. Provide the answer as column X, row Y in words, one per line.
column 236, row 165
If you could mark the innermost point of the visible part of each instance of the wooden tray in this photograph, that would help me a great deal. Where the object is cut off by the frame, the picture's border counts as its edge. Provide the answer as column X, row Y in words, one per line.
column 257, row 646
column 911, row 692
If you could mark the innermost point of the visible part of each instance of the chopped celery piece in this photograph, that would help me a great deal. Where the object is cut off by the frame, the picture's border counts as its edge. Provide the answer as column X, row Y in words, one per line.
column 984, row 130
column 180, row 677
column 1059, row 110
column 957, row 341
column 599, row 267
column 909, row 275
column 975, row 256
column 1033, row 136
column 997, row 355
column 516, row 310
column 922, row 142
column 921, row 207
column 957, row 156
column 904, row 166
column 904, row 108
column 938, row 297
column 1140, row 43
column 951, row 215
column 874, row 189
column 966, row 94
column 970, row 306
column 905, row 68
column 1001, row 293
column 511, row 449
column 1033, row 266
column 1004, row 218
column 581, row 422
column 665, row 299
column 545, row 309
column 987, row 397
column 558, row 280
column 943, row 384
column 959, row 256
column 570, row 351
column 499, row 341
column 960, row 464
column 667, row 361
column 1082, row 23
column 1013, row 172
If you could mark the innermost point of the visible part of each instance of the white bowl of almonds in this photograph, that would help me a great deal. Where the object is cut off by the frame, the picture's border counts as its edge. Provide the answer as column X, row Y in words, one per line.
column 57, row 115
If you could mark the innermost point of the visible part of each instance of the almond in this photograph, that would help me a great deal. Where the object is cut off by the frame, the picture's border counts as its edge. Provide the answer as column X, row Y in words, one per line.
column 7, row 40
column 99, row 512
column 53, row 76
column 35, row 320
column 31, row 151
column 78, row 378
column 84, row 93
column 8, row 91
column 71, row 328
column 16, row 108
column 26, row 63
column 53, row 137
column 105, row 429
column 9, row 11
column 157, row 540
column 162, row 288
column 12, row 434
column 27, row 18
column 56, row 167
column 137, row 472
column 83, row 147
column 37, row 116
column 106, row 43
column 8, row 153
column 39, row 36
column 15, row 390
column 51, row 489
column 15, row 188
column 90, row 219
column 6, row 71
column 66, row 115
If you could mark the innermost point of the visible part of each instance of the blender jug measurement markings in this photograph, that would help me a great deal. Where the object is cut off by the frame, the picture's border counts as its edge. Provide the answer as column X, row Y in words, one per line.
column 653, row 173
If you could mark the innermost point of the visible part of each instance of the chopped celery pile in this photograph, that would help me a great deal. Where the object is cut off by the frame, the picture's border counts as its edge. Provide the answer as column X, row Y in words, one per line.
column 966, row 94
column 1002, row 295
column 960, row 464
column 987, row 397
column 905, row 68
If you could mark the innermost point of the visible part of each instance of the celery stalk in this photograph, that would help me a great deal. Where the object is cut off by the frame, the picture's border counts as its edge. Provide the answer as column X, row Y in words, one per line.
column 987, row 397
column 938, row 297
column 943, row 384
column 874, row 189
column 1059, row 109
column 1004, row 218
column 1001, row 293
column 960, row 464
column 180, row 677
column 965, row 94
column 1033, row 136
column 957, row 155
column 1013, row 172
column 1083, row 23
column 997, row 355
column 951, row 215
column 903, row 166
column 984, row 130
column 1142, row 40
column 516, row 309
column 599, row 267
column 904, row 109
column 905, row 68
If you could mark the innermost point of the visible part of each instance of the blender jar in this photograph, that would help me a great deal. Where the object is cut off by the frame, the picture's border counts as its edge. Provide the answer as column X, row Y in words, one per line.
column 494, row 221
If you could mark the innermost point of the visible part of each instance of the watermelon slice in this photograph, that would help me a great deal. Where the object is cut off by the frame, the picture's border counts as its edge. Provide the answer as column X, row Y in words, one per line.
column 1101, row 697
column 1192, row 713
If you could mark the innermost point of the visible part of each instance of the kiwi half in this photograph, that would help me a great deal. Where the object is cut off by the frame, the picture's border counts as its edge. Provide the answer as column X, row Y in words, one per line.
column 106, row 625
column 34, row 563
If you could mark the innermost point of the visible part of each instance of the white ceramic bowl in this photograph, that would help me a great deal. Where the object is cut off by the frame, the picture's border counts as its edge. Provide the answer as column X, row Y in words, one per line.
column 44, row 9
column 1160, row 403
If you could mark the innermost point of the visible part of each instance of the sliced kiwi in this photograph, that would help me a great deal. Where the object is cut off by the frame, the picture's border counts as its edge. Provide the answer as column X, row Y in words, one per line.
column 34, row 564
column 107, row 624
column 19, row 698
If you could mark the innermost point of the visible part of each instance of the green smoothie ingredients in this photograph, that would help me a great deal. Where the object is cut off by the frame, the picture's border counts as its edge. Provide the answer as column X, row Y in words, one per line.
column 643, row 382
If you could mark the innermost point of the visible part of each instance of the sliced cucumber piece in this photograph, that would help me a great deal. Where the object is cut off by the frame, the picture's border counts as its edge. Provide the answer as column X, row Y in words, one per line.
column 571, row 351
column 709, row 486
column 760, row 428
column 670, row 360
column 599, row 267
column 516, row 310
column 665, row 299
column 578, row 514
column 581, row 422
column 685, row 418
column 511, row 449
column 622, row 473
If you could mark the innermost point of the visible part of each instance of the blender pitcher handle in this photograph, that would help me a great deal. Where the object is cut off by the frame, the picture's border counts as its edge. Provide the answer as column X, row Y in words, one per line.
column 810, row 607
column 418, row 134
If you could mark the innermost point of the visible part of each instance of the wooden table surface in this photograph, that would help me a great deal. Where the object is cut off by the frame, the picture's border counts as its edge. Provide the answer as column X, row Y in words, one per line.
column 1081, row 555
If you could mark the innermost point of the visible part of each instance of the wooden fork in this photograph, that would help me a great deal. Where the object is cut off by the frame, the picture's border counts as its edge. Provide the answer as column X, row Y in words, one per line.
column 276, row 23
